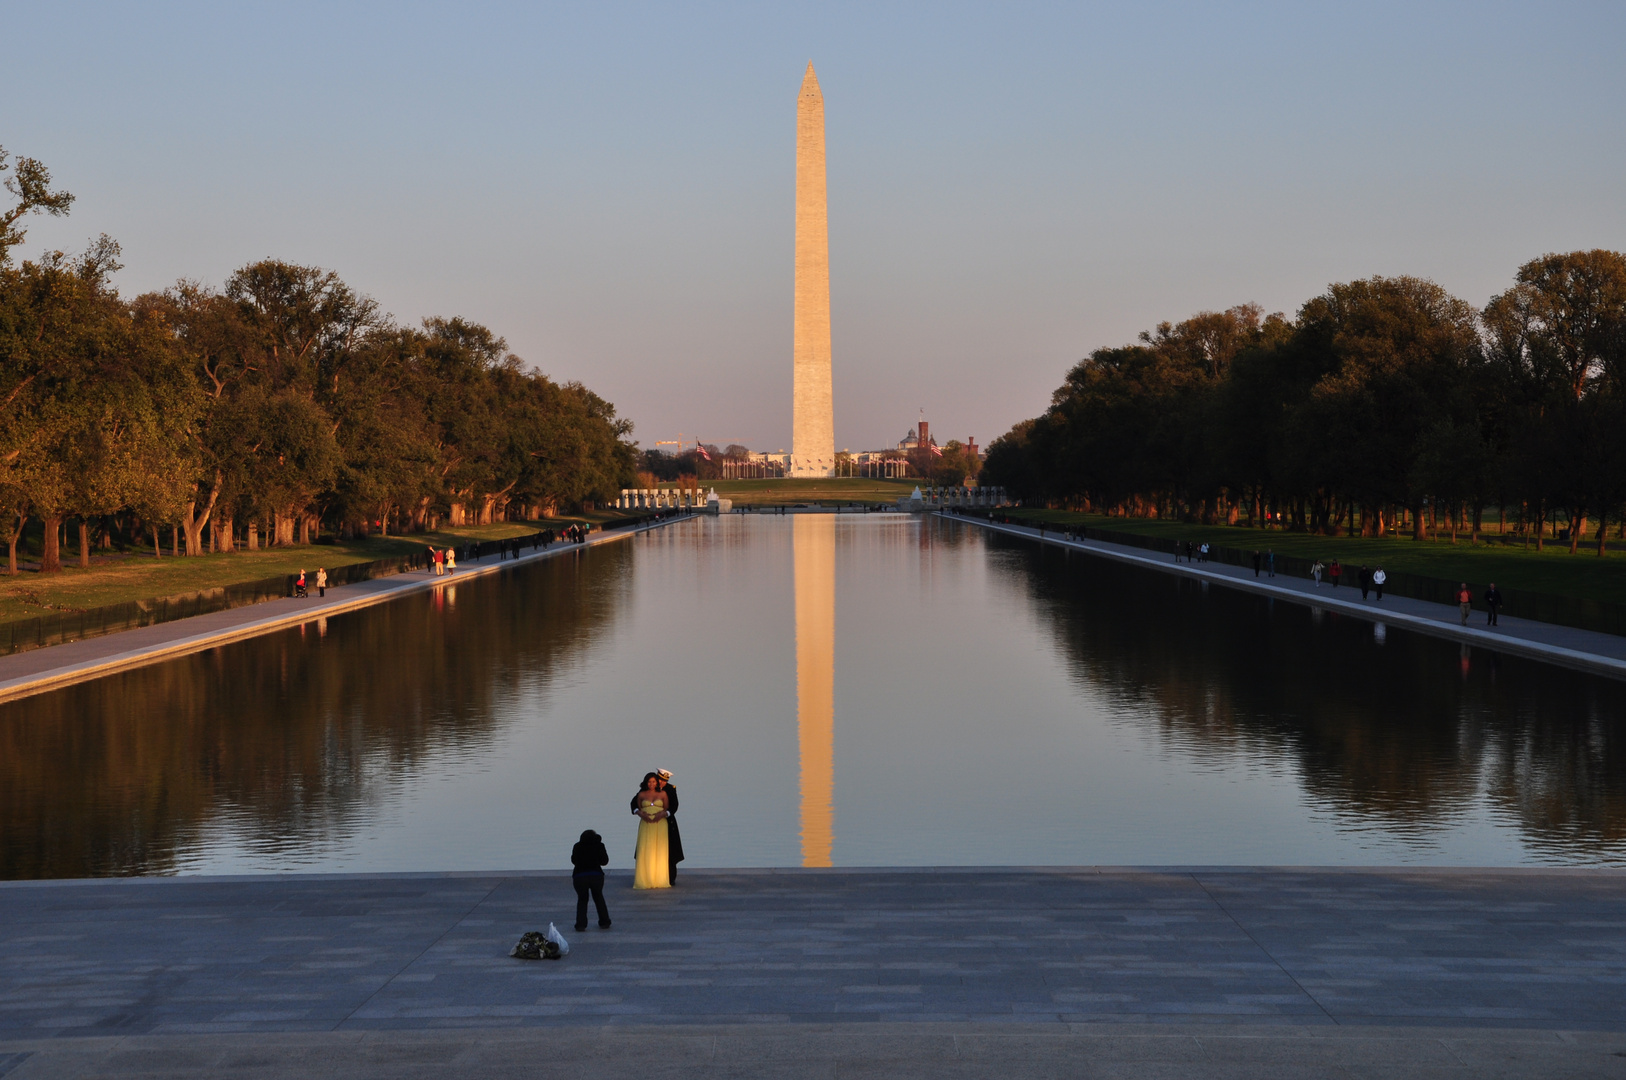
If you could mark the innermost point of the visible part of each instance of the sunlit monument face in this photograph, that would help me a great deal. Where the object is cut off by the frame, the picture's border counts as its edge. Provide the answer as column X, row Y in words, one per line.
column 813, row 436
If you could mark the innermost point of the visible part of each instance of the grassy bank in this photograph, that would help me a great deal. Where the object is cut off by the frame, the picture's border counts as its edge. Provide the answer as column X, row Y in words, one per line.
column 1555, row 571
column 786, row 492
column 137, row 575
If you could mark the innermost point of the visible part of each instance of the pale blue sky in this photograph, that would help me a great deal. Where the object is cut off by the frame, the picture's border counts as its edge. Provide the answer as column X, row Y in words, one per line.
column 1011, row 186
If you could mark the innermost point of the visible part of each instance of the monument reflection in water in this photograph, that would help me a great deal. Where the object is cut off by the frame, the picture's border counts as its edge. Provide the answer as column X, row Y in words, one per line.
column 996, row 704
column 815, row 545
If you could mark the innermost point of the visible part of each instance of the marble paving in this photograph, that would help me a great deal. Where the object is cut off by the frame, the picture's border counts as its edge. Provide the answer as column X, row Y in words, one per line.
column 1080, row 972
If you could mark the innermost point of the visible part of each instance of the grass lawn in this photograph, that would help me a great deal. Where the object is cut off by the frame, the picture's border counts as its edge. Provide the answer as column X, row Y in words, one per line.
column 138, row 576
column 786, row 492
column 1554, row 570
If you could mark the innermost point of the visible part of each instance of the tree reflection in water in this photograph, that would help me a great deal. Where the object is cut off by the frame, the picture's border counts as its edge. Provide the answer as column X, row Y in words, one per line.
column 290, row 738
column 1402, row 734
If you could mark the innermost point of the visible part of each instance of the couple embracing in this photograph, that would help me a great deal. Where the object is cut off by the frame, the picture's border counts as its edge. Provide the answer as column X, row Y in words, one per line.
column 660, row 845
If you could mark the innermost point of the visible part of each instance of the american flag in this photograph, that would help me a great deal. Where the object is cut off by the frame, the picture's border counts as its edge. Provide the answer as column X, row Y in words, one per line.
column 937, row 451
column 702, row 451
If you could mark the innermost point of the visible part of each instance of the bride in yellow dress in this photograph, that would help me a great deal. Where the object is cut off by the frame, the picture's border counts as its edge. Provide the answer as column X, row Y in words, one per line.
column 652, row 870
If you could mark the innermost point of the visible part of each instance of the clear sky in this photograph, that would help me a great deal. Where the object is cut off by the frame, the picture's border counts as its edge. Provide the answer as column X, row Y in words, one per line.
column 610, row 186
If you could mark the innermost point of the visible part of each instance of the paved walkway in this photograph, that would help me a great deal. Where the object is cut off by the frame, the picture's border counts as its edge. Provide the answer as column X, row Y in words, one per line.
column 1050, row 972
column 38, row 670
column 878, row 1052
column 1585, row 650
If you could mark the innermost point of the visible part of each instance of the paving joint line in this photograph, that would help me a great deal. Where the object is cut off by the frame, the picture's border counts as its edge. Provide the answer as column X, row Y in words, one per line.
column 497, row 884
column 1249, row 935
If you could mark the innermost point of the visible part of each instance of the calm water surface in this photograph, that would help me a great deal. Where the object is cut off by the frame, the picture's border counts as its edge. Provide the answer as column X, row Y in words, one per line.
column 852, row 691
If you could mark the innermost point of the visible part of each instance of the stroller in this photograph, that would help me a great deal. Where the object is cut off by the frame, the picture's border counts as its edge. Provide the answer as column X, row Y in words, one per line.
column 300, row 592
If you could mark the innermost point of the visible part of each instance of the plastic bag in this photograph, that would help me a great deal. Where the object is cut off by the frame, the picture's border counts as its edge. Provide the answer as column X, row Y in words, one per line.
column 536, row 946
column 558, row 939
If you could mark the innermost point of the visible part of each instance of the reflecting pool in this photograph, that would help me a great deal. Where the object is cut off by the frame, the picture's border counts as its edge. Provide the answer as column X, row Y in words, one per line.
column 827, row 690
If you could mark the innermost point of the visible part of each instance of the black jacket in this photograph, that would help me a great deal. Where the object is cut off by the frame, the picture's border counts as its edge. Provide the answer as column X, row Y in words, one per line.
column 589, row 857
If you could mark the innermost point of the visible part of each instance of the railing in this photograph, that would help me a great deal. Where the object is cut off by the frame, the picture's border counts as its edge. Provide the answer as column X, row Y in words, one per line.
column 1573, row 611
column 60, row 627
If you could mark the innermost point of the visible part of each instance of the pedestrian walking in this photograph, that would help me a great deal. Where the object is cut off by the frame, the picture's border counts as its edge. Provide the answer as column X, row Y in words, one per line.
column 1493, row 603
column 1335, row 572
column 1378, row 578
column 1256, row 564
column 321, row 581
column 451, row 560
column 587, row 862
column 1270, row 563
column 1316, row 570
column 1365, row 574
column 1465, row 601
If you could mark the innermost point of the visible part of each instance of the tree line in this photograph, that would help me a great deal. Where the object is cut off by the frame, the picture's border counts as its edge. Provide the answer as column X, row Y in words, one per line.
column 1385, row 404
column 280, row 404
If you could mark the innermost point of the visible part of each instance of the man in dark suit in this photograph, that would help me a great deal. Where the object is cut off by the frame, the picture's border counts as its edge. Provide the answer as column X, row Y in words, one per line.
column 674, row 839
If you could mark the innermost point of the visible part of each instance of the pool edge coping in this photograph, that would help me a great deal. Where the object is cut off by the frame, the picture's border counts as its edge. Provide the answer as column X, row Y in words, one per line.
column 1559, row 655
column 1079, row 870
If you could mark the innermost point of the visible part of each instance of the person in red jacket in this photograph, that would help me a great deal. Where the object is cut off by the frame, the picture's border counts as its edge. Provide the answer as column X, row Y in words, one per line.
column 1465, row 601
column 1335, row 572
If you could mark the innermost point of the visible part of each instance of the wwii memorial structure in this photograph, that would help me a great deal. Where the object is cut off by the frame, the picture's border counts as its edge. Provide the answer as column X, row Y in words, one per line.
column 813, row 436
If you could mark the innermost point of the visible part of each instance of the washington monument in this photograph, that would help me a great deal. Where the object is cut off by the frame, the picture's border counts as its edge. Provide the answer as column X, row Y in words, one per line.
column 813, row 429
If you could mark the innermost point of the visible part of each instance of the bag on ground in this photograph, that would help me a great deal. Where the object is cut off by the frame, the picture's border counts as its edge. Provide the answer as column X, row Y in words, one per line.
column 558, row 939
column 535, row 945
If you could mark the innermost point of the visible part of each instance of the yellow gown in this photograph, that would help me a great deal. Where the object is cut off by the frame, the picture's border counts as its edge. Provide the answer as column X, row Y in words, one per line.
column 652, row 869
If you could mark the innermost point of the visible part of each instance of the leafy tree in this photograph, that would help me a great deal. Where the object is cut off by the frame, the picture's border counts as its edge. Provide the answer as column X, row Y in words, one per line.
column 30, row 184
column 96, row 400
column 1563, row 324
column 1380, row 397
column 1558, row 339
column 286, row 397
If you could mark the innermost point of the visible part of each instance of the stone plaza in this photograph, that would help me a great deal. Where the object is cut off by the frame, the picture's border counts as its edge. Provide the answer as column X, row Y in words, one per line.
column 964, row 972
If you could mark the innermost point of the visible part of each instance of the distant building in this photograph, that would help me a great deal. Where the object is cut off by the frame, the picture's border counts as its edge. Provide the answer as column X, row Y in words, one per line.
column 918, row 439
column 881, row 464
column 757, row 466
